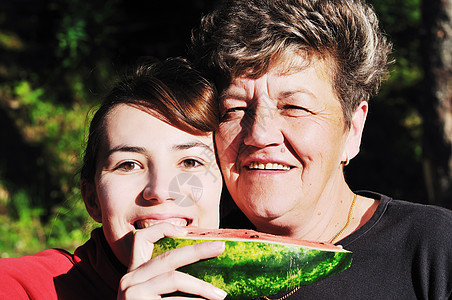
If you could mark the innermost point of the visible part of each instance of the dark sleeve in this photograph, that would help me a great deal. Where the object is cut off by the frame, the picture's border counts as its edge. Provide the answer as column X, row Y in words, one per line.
column 432, row 265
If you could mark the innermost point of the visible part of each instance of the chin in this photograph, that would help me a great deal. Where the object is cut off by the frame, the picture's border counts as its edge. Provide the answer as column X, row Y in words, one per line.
column 262, row 210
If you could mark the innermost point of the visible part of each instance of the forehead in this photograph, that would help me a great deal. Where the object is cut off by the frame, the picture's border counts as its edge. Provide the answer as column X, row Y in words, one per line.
column 284, row 76
column 125, row 123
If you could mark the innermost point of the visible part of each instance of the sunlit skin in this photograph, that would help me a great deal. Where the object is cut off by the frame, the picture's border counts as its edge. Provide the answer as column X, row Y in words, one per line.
column 139, row 158
column 294, row 123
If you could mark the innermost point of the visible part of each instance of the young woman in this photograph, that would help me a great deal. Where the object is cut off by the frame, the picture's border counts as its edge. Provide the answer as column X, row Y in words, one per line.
column 149, row 170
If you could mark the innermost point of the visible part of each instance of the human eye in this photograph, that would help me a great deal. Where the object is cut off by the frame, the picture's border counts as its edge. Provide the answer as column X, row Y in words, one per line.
column 128, row 166
column 233, row 108
column 191, row 163
column 232, row 113
column 295, row 111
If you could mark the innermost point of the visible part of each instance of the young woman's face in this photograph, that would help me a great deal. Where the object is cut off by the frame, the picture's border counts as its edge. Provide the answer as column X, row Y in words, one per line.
column 149, row 172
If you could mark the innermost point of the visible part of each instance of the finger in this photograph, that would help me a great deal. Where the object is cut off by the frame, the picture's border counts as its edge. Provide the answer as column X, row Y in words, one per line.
column 144, row 239
column 172, row 260
column 179, row 257
column 171, row 282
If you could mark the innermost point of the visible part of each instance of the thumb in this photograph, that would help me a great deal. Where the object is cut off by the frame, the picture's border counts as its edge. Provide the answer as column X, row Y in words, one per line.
column 144, row 239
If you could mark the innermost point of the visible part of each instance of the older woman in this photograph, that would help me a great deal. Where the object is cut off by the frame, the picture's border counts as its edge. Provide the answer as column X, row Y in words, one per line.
column 295, row 77
column 149, row 143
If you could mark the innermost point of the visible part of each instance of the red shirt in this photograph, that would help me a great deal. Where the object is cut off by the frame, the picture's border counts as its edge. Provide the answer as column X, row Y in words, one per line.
column 92, row 272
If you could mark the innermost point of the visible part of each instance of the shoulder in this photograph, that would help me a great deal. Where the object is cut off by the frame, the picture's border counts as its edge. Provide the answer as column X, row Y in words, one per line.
column 411, row 212
column 32, row 275
column 409, row 240
column 416, row 223
column 50, row 260
column 418, row 226
column 421, row 216
column 430, row 240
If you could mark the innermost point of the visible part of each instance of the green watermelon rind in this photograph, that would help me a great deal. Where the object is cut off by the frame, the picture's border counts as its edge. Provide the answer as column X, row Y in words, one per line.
column 250, row 269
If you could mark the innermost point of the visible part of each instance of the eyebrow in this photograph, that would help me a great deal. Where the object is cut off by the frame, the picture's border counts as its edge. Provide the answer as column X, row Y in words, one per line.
column 142, row 150
column 123, row 148
column 192, row 145
column 234, row 93
column 287, row 94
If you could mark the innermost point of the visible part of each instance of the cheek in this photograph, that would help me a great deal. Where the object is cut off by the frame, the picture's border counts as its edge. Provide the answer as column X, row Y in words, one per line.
column 228, row 138
column 113, row 196
column 209, row 204
column 314, row 138
column 212, row 186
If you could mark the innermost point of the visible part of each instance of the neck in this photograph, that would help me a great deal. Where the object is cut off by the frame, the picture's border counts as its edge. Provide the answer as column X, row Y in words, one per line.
column 321, row 222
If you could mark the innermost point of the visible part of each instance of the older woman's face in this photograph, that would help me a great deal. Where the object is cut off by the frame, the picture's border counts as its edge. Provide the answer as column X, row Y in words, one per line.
column 280, row 142
column 149, row 172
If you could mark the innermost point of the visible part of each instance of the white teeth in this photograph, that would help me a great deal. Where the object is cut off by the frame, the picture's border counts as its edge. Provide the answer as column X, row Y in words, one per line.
column 140, row 224
column 268, row 166
column 180, row 222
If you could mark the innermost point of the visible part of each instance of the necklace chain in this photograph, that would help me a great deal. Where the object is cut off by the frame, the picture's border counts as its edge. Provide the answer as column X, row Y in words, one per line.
column 285, row 296
column 333, row 240
column 349, row 218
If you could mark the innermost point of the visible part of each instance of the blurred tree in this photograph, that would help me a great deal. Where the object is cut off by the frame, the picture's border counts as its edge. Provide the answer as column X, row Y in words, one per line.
column 437, row 104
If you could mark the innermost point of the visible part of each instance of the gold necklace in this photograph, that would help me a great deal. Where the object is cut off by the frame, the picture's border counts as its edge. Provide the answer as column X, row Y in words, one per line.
column 350, row 213
column 333, row 240
column 285, row 296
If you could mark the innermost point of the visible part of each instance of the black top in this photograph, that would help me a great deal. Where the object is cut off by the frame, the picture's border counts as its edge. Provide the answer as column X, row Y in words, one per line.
column 403, row 252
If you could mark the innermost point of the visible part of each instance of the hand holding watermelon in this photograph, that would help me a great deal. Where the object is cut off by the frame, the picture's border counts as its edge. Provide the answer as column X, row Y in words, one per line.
column 152, row 278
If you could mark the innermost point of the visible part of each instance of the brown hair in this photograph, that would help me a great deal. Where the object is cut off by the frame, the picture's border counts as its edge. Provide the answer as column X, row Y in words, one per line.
column 247, row 37
column 170, row 90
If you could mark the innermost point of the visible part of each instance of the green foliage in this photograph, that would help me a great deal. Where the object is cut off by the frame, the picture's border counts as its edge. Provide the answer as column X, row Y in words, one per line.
column 51, row 73
column 23, row 233
column 59, row 130
column 10, row 41
column 69, row 226
column 17, row 235
column 71, row 39
column 80, row 28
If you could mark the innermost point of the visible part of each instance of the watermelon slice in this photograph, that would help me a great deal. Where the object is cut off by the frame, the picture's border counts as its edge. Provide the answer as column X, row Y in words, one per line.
column 256, row 264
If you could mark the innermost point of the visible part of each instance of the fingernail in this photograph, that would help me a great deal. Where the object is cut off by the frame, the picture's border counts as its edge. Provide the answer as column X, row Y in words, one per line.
column 220, row 293
column 217, row 245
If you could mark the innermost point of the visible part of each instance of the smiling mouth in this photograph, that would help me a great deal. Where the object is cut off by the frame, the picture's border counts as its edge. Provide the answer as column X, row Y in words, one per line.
column 268, row 166
column 140, row 224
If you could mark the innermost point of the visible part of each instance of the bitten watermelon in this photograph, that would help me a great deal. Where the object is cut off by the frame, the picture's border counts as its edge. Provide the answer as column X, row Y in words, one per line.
column 256, row 264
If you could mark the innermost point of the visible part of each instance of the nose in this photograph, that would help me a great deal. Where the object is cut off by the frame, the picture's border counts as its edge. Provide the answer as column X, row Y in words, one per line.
column 157, row 187
column 262, row 125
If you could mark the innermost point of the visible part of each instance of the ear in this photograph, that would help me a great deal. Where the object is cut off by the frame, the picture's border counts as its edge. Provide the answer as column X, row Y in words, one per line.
column 353, row 142
column 92, row 205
